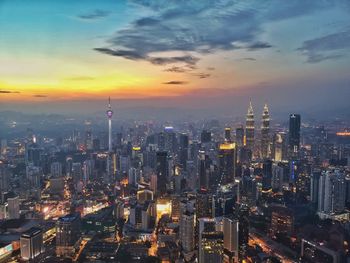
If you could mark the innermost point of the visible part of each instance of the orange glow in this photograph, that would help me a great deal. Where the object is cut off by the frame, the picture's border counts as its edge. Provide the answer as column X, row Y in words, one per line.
column 343, row 133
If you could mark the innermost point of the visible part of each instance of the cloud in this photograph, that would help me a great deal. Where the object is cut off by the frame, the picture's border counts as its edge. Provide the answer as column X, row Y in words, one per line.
column 189, row 60
column 332, row 46
column 40, row 96
column 8, row 91
column 201, row 27
column 95, row 14
column 177, row 69
column 134, row 55
column 248, row 59
column 129, row 54
column 175, row 82
column 258, row 45
column 202, row 75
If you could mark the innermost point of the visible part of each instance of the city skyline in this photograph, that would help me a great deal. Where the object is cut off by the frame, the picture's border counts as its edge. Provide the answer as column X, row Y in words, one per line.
column 56, row 56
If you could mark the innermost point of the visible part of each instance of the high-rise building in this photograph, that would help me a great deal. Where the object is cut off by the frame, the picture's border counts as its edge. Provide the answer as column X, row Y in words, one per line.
column 203, row 172
column 265, row 130
column 227, row 162
column 250, row 128
column 240, row 136
column 210, row 241
column 67, row 234
column 31, row 243
column 228, row 134
column 88, row 170
column 331, row 198
column 56, row 169
column 204, row 204
column 187, row 230
column 162, row 169
column 236, row 234
column 280, row 147
column 282, row 220
column 183, row 150
column 13, row 206
column 294, row 135
column 77, row 172
column 314, row 188
column 4, row 177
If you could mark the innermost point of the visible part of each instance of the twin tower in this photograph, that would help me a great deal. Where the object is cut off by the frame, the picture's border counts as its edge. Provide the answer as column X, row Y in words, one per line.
column 265, row 129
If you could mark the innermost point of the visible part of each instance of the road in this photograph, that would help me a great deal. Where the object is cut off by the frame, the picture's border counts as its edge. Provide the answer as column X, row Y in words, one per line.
column 271, row 247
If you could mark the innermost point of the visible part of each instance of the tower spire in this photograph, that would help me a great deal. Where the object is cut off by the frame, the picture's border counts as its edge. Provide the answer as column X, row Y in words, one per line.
column 265, row 129
column 249, row 127
column 250, row 108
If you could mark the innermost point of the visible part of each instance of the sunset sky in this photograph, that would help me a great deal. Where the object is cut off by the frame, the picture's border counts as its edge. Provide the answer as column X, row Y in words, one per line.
column 69, row 50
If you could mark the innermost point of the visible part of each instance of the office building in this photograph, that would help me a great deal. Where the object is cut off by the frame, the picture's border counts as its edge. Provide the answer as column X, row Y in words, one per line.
column 187, row 230
column 67, row 234
column 31, row 243
column 162, row 169
column 227, row 162
column 331, row 198
column 210, row 241
column 294, row 135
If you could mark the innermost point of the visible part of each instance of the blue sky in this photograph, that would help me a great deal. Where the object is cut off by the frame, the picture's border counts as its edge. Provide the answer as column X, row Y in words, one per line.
column 145, row 49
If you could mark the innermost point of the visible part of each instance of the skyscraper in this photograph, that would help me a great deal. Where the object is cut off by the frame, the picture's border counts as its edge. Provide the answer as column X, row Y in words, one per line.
column 236, row 235
column 4, row 177
column 331, row 193
column 31, row 243
column 162, row 172
column 187, row 231
column 13, row 206
column 228, row 134
column 265, row 129
column 210, row 241
column 68, row 233
column 249, row 127
column 203, row 171
column 294, row 135
column 240, row 136
column 227, row 162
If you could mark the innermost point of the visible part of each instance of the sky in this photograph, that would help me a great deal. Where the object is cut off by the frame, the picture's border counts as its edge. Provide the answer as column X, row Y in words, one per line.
column 71, row 55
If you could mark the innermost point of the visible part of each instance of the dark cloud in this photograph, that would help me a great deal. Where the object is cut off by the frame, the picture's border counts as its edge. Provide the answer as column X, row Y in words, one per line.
column 258, row 45
column 96, row 14
column 324, row 48
column 8, row 91
column 40, row 96
column 129, row 54
column 189, row 60
column 202, row 27
column 175, row 82
column 210, row 68
column 146, row 21
column 135, row 55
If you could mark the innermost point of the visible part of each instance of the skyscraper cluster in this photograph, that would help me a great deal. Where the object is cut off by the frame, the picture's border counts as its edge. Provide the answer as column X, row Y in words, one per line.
column 208, row 191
